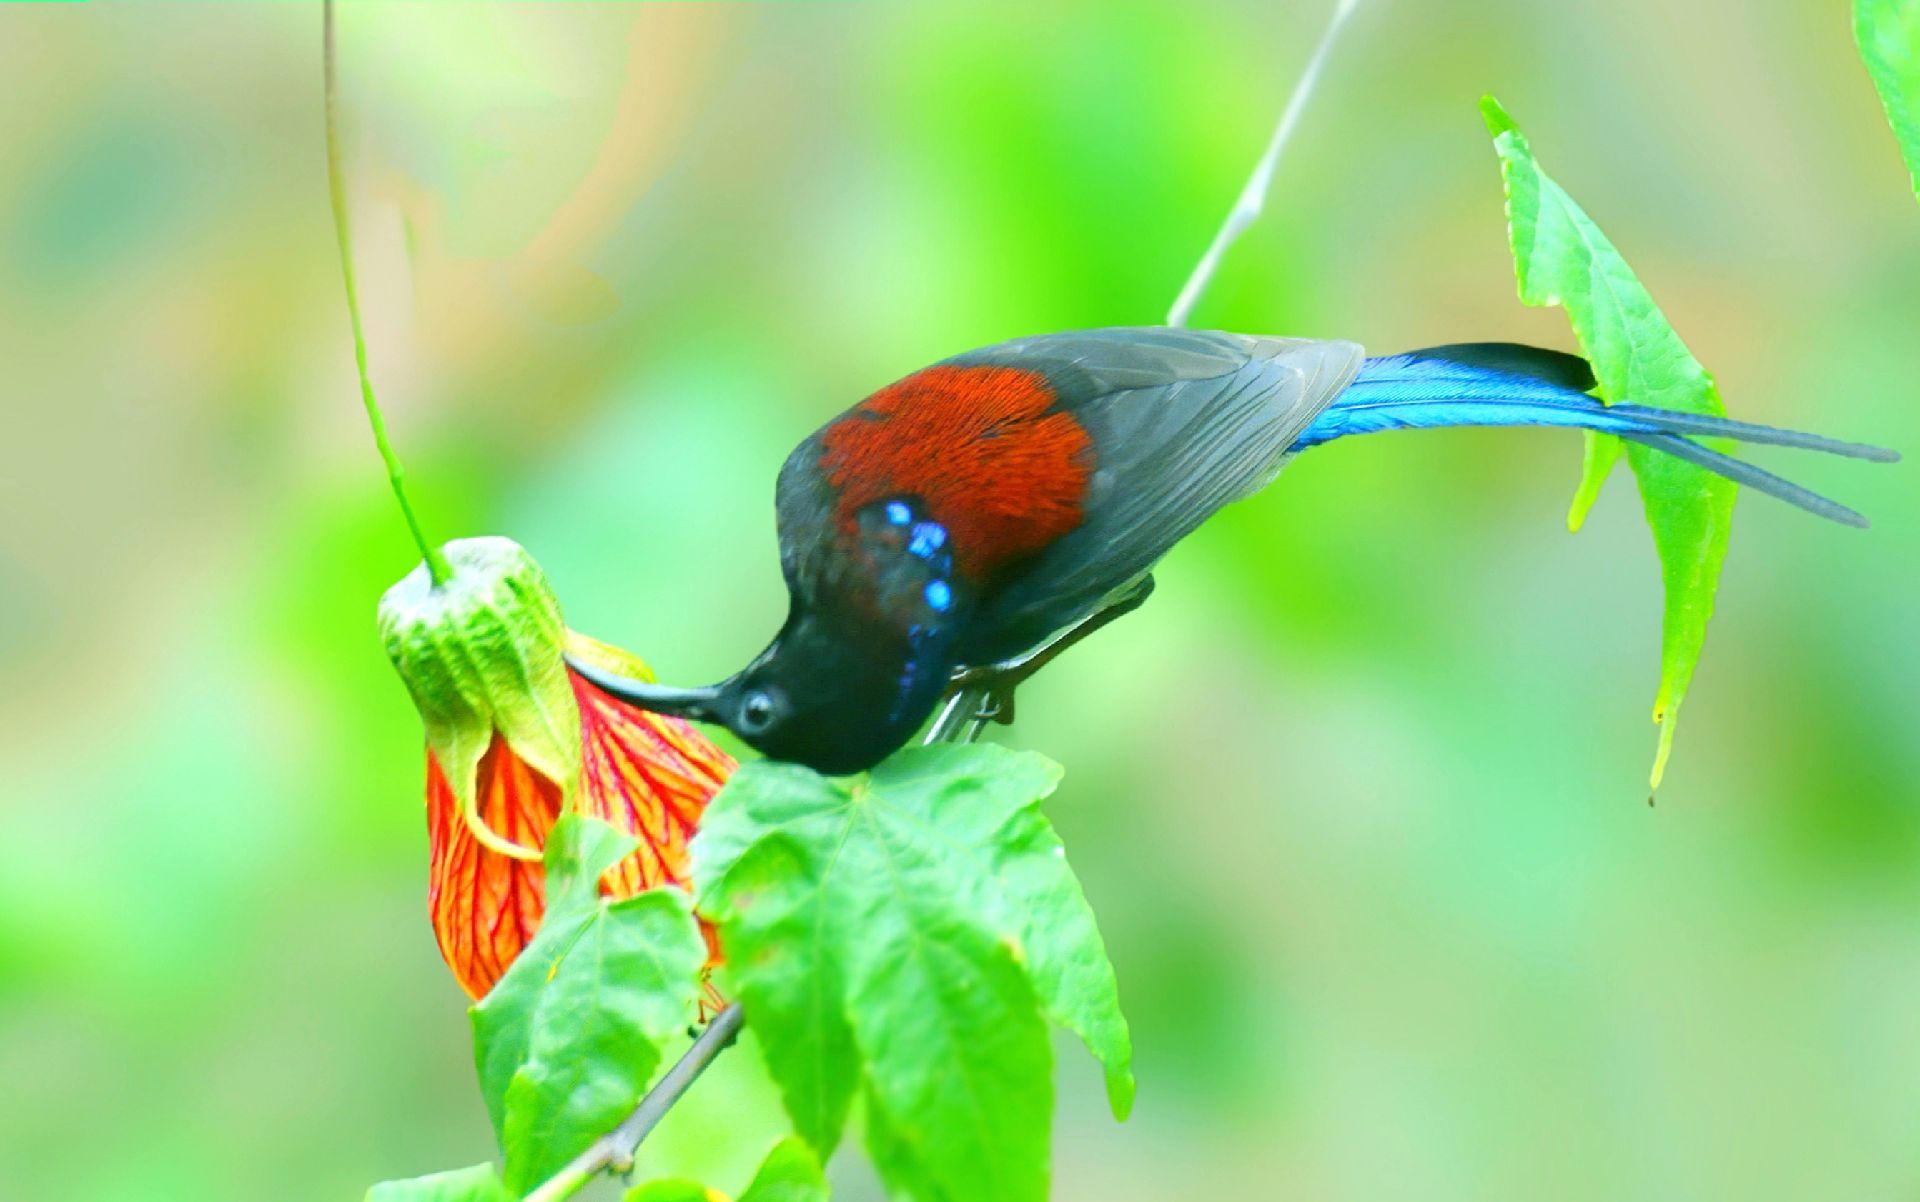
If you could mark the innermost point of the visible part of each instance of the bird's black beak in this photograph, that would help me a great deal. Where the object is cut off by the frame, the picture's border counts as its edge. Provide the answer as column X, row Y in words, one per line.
column 699, row 705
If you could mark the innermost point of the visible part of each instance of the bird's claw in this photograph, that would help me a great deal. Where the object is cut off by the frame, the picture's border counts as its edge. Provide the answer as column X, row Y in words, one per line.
column 997, row 706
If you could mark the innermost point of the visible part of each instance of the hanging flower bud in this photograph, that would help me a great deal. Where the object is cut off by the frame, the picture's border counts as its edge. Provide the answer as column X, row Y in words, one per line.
column 514, row 738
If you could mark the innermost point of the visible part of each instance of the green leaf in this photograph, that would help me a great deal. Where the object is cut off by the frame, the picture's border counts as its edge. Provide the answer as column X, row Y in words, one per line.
column 1596, row 464
column 1007, row 851
column 477, row 1184
column 905, row 930
column 579, row 851
column 897, row 1160
column 791, row 1173
column 672, row 1189
column 786, row 966
column 568, row 1040
column 502, row 1021
column 1888, row 32
column 1562, row 258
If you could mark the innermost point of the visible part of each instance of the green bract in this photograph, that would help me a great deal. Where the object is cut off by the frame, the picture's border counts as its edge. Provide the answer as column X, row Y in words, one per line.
column 482, row 653
column 1562, row 258
column 902, row 935
column 1889, row 35
column 791, row 1173
column 568, row 1040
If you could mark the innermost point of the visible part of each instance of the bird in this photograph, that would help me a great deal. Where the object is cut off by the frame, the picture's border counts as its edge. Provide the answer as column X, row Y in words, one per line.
column 957, row 529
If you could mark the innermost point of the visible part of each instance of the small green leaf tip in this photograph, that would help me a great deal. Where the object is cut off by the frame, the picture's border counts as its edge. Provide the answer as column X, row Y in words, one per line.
column 477, row 1184
column 1498, row 122
column 578, row 853
column 791, row 1173
column 1888, row 32
column 1562, row 258
column 482, row 654
column 1595, row 465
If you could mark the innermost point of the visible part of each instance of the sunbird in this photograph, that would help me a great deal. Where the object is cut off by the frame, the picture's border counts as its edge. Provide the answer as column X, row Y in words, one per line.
column 958, row 528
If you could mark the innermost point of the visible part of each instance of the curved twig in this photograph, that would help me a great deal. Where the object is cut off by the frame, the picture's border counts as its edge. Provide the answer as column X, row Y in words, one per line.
column 615, row 1149
column 1252, row 197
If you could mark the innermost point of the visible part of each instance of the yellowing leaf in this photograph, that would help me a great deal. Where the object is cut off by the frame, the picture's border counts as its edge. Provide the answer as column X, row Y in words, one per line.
column 1562, row 258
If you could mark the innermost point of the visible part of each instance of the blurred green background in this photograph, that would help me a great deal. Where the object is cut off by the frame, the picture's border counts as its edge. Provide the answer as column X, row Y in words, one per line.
column 1360, row 797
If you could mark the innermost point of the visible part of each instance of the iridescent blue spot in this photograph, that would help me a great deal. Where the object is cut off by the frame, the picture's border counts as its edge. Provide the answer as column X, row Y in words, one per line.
column 939, row 595
column 928, row 537
column 899, row 513
column 911, row 674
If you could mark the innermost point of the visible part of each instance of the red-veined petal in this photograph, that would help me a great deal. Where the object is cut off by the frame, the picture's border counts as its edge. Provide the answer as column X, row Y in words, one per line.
column 649, row 775
column 643, row 773
column 485, row 906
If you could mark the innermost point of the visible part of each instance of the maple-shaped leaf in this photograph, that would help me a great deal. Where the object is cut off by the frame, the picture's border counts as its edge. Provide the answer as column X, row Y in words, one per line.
column 908, row 932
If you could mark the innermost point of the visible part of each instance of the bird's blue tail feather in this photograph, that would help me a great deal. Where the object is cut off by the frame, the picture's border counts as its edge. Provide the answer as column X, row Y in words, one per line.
column 1494, row 384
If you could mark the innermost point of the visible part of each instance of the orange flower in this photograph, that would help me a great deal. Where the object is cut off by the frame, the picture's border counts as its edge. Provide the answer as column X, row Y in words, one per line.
column 512, row 736
column 643, row 773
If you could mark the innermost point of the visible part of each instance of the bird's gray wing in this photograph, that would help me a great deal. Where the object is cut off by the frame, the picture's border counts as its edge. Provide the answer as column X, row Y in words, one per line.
column 1183, row 422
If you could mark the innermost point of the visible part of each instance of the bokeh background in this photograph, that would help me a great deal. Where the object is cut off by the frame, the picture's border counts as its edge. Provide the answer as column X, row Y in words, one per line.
column 1360, row 797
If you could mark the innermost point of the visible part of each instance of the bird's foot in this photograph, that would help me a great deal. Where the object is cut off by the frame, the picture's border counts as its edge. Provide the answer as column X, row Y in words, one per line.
column 985, row 693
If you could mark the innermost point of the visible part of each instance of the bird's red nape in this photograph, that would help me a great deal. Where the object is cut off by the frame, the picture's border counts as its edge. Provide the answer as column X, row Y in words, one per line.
column 981, row 447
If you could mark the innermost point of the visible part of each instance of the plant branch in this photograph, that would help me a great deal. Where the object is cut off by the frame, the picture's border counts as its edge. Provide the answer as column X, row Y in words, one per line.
column 1252, row 197
column 615, row 1149
column 436, row 559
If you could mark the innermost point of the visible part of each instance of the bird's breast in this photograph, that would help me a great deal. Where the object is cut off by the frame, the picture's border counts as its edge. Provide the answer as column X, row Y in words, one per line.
column 985, row 450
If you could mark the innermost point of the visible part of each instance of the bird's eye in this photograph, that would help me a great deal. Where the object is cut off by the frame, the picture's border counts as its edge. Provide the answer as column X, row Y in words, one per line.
column 756, row 712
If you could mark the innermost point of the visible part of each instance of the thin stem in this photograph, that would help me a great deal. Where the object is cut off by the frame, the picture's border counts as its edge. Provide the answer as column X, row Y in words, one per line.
column 615, row 1149
column 1252, row 197
column 436, row 560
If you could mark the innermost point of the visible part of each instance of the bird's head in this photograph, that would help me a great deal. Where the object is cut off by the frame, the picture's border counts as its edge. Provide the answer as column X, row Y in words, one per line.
column 865, row 654
column 809, row 698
